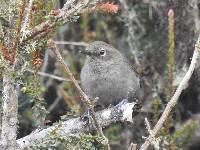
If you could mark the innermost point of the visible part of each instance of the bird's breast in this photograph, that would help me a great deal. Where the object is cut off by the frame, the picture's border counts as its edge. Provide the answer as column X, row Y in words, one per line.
column 108, row 85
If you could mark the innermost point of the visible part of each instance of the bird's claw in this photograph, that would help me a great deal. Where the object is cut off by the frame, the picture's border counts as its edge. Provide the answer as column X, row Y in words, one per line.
column 136, row 109
column 87, row 119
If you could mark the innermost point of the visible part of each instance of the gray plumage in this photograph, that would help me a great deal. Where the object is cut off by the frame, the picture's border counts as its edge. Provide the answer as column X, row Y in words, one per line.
column 108, row 75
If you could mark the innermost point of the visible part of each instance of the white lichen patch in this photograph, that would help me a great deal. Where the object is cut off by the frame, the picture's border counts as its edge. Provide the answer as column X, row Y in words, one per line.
column 106, row 114
column 128, row 111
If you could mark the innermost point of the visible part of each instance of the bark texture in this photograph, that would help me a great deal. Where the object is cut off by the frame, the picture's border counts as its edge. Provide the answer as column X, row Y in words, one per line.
column 10, row 110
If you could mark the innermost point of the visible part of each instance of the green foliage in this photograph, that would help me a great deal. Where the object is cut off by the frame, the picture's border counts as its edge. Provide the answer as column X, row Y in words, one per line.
column 29, row 87
column 49, row 5
column 32, row 91
column 39, row 113
column 112, row 133
column 155, row 110
column 89, row 142
column 176, row 139
column 54, row 141
column 182, row 135
column 4, row 22
column 31, row 47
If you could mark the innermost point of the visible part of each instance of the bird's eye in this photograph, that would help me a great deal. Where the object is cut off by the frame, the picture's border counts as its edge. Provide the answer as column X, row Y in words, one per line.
column 102, row 52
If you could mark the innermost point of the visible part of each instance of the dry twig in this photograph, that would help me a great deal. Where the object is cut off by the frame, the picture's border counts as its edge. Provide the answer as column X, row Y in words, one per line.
column 131, row 33
column 171, row 104
column 85, row 99
column 51, row 76
column 71, row 43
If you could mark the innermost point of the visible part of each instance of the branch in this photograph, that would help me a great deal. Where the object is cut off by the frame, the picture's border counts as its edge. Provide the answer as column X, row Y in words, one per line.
column 196, row 15
column 69, row 10
column 70, row 43
column 171, row 104
column 86, row 100
column 75, row 126
column 19, row 26
column 130, row 15
column 10, row 113
column 52, row 45
column 50, row 76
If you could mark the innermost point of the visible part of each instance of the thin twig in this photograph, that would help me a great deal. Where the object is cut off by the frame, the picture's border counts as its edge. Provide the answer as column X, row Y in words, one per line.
column 130, row 15
column 26, row 20
column 70, row 43
column 62, row 93
column 51, row 76
column 171, row 104
column 85, row 99
column 17, row 37
column 69, row 10
column 52, row 45
column 132, row 146
column 148, row 126
column 196, row 15
column 45, row 63
column 54, row 104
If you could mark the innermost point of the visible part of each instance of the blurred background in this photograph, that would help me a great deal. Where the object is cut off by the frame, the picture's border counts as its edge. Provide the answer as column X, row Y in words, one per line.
column 141, row 30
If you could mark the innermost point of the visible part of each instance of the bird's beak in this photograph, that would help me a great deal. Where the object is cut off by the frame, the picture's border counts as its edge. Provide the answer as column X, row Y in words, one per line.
column 86, row 52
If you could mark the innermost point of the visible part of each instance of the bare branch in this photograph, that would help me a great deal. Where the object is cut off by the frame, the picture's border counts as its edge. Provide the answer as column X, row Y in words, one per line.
column 10, row 111
column 76, row 126
column 195, row 3
column 52, row 45
column 171, row 104
column 70, row 43
column 54, row 104
column 132, row 146
column 130, row 15
column 51, row 76
column 69, row 10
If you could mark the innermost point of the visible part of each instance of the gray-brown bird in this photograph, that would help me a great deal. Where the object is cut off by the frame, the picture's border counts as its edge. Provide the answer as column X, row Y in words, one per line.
column 107, row 75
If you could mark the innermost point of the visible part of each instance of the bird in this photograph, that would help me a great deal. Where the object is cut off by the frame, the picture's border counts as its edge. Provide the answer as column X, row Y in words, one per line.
column 107, row 76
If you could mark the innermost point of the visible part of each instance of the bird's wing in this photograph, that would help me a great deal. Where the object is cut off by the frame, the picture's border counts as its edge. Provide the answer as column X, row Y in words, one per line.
column 133, row 68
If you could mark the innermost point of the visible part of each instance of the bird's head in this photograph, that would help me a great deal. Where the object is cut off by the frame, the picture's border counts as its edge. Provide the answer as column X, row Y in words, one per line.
column 100, row 50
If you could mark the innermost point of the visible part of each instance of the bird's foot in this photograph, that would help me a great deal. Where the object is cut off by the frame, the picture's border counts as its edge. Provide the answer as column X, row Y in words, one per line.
column 87, row 119
column 136, row 109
